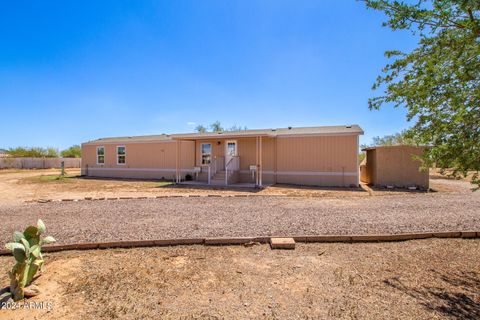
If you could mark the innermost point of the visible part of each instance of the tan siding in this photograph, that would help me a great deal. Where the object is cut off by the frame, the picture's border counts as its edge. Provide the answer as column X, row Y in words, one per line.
column 396, row 166
column 324, row 154
column 332, row 159
column 142, row 156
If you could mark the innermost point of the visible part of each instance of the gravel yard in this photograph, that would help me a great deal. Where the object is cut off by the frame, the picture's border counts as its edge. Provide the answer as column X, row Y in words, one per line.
column 111, row 220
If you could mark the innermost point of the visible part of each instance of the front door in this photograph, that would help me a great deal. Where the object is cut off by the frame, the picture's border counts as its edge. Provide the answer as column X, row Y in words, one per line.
column 230, row 150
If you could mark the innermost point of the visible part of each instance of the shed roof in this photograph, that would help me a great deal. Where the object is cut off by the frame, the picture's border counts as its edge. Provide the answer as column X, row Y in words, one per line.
column 323, row 130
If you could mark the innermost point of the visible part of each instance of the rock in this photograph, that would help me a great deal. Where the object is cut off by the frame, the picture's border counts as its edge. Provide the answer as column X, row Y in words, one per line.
column 31, row 291
column 5, row 297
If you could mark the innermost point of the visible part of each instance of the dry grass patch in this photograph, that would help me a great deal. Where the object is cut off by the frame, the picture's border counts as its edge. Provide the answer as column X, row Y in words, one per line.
column 422, row 279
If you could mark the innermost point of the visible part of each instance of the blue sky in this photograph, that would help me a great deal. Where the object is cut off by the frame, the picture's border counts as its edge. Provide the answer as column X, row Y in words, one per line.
column 73, row 71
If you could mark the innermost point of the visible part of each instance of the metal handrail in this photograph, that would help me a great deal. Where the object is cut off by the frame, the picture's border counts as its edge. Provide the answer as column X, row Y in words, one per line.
column 226, row 168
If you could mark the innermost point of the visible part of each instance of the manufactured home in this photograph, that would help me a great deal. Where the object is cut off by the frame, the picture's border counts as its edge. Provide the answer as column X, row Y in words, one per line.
column 320, row 156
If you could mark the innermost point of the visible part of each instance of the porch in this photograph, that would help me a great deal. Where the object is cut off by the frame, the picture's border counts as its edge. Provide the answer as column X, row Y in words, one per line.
column 223, row 159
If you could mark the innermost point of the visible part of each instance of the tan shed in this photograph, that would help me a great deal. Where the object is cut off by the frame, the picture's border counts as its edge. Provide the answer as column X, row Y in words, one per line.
column 396, row 166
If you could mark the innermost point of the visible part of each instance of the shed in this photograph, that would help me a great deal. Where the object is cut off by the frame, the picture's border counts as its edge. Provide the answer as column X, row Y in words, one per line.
column 397, row 166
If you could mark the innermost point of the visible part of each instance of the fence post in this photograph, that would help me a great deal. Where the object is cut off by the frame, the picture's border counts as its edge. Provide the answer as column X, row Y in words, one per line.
column 62, row 165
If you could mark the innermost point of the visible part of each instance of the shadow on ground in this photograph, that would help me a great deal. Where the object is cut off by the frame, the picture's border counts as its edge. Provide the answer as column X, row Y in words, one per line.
column 461, row 301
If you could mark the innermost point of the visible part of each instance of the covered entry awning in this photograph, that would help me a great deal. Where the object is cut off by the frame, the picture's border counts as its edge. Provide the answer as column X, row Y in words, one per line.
column 224, row 136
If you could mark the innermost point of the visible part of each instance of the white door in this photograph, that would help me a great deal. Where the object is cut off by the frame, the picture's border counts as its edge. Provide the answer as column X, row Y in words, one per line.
column 230, row 151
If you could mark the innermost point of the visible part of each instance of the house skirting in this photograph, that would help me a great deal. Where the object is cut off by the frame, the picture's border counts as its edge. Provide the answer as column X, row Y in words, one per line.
column 134, row 173
column 314, row 178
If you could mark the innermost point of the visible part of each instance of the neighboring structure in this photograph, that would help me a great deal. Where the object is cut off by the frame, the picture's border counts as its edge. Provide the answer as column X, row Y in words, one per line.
column 396, row 166
column 4, row 154
column 324, row 156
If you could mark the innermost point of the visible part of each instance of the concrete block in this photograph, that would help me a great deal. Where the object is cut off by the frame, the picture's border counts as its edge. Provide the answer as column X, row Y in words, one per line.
column 282, row 243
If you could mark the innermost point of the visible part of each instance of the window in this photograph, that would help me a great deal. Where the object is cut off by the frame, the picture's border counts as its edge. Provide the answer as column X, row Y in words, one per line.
column 100, row 155
column 231, row 148
column 121, row 154
column 206, row 153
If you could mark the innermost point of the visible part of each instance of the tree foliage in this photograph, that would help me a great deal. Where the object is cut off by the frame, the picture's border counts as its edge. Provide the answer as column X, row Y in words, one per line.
column 401, row 138
column 438, row 82
column 216, row 126
column 200, row 128
column 237, row 128
column 73, row 152
column 33, row 152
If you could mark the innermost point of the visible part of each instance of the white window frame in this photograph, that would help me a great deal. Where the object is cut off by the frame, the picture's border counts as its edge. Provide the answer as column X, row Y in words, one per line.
column 125, row 155
column 202, row 154
column 98, row 163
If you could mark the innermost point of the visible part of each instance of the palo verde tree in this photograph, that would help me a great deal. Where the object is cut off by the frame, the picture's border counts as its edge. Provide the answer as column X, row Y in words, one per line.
column 439, row 81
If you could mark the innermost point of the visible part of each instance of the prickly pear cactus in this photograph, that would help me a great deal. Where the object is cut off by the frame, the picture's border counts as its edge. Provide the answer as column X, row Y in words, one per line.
column 26, row 248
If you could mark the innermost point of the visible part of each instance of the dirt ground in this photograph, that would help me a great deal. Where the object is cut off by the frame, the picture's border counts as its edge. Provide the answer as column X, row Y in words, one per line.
column 423, row 279
column 18, row 186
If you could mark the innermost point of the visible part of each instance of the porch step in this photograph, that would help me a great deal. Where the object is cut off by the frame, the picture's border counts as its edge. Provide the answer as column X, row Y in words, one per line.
column 219, row 177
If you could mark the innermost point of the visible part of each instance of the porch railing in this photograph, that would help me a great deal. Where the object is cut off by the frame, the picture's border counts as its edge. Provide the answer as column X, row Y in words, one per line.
column 232, row 165
column 212, row 168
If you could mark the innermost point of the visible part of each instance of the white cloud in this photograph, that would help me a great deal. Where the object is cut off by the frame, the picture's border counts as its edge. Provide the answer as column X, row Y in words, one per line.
column 191, row 123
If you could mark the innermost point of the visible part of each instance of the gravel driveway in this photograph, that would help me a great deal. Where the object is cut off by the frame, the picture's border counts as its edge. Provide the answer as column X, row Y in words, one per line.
column 110, row 220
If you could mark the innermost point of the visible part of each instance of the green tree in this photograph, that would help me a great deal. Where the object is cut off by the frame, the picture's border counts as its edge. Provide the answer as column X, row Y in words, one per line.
column 200, row 128
column 73, row 152
column 33, row 152
column 401, row 138
column 216, row 126
column 439, row 81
